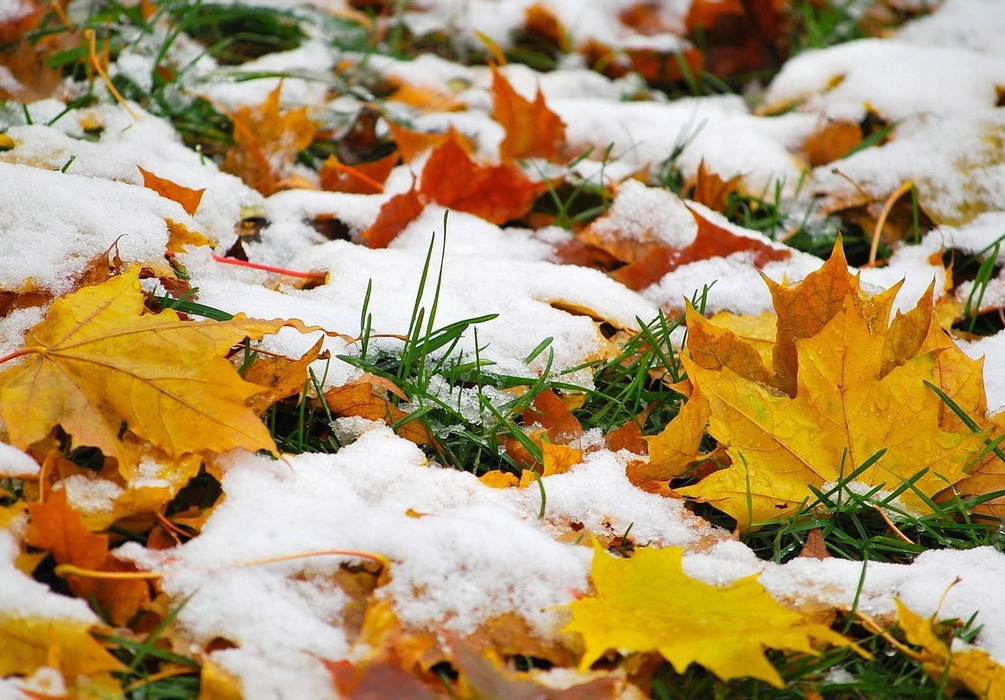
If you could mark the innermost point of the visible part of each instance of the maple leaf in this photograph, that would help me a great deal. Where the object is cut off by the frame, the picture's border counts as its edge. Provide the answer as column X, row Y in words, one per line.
column 27, row 643
column 188, row 198
column 58, row 528
column 847, row 386
column 970, row 667
column 280, row 376
column 676, row 447
column 649, row 257
column 532, row 129
column 496, row 193
column 647, row 603
column 367, row 397
column 266, row 141
column 362, row 178
column 451, row 178
column 98, row 364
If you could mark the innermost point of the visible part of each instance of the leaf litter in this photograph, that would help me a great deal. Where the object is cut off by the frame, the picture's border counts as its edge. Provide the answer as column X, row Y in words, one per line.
column 365, row 559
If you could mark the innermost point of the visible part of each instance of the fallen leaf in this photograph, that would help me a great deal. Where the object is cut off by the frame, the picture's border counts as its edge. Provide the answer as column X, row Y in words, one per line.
column 98, row 364
column 361, row 178
column 411, row 143
column 551, row 413
column 676, row 447
column 58, row 529
column 829, row 407
column 650, row 257
column 396, row 213
column 188, row 198
column 711, row 190
column 28, row 643
column 366, row 398
column 483, row 675
column 532, row 129
column 970, row 667
column 280, row 376
column 267, row 139
column 647, row 603
column 496, row 193
column 835, row 140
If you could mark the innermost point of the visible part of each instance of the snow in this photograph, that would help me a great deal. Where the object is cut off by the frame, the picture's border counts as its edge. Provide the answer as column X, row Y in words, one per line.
column 460, row 552
column 66, row 232
column 23, row 597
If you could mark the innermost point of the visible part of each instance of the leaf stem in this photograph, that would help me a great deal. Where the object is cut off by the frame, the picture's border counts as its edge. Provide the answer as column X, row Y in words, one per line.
column 71, row 570
column 378, row 558
column 269, row 268
column 18, row 353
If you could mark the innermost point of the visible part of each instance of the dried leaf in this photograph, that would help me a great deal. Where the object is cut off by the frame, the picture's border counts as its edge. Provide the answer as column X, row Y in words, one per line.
column 267, row 139
column 28, row 643
column 281, row 376
column 188, row 199
column 397, row 213
column 496, row 193
column 532, row 129
column 842, row 409
column 711, row 190
column 676, row 448
column 647, row 603
column 361, row 178
column 58, row 529
column 98, row 363
column 366, row 398
column 835, row 140
column 969, row 667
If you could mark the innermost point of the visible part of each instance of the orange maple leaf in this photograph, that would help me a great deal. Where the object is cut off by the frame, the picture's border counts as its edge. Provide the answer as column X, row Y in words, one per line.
column 266, row 141
column 188, row 198
column 451, row 178
column 532, row 129
column 57, row 528
column 649, row 258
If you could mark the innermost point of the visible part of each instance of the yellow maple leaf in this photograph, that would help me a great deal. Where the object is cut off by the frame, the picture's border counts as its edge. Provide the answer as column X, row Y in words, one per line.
column 847, row 386
column 647, row 603
column 102, row 369
column 676, row 447
column 970, row 667
column 26, row 643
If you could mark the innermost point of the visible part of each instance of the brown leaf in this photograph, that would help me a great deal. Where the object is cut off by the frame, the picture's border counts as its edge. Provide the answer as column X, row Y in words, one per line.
column 815, row 547
column 554, row 416
column 282, row 376
column 366, row 398
column 711, row 190
column 712, row 241
column 832, row 142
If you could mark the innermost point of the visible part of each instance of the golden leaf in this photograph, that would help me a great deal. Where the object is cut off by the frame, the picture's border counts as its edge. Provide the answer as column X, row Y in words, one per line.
column 647, row 603
column 970, row 667
column 676, row 447
column 847, row 385
column 266, row 142
column 26, row 643
column 98, row 366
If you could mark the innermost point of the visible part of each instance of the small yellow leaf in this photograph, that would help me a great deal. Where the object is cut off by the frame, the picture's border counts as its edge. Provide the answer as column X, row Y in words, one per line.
column 99, row 366
column 26, row 643
column 647, row 603
column 674, row 449
column 970, row 667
